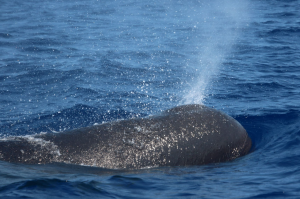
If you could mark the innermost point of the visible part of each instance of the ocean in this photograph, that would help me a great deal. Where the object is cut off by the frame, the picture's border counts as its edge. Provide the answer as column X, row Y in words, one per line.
column 71, row 64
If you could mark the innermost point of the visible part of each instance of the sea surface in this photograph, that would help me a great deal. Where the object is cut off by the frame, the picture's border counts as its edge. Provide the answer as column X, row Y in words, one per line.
column 70, row 64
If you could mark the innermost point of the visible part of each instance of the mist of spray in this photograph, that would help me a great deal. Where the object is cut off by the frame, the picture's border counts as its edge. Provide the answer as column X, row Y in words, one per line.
column 221, row 23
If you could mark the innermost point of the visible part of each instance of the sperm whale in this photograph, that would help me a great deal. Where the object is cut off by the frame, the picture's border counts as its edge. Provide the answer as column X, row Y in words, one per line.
column 185, row 135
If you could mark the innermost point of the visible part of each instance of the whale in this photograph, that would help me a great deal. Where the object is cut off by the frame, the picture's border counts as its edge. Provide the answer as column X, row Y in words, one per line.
column 181, row 136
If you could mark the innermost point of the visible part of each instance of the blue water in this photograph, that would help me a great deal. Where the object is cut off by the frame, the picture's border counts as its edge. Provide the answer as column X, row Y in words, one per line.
column 70, row 64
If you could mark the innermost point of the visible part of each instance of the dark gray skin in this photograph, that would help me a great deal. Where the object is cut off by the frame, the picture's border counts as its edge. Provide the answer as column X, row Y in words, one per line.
column 184, row 135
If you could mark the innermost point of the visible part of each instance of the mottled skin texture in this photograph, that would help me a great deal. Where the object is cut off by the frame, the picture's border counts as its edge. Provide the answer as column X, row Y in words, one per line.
column 184, row 135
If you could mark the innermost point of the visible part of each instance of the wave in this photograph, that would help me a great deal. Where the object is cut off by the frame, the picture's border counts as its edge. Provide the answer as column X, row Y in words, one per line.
column 277, row 132
column 77, row 116
column 35, row 187
column 5, row 35
column 285, row 31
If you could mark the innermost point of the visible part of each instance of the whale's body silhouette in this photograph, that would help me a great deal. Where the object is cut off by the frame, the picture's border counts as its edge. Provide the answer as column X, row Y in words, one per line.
column 184, row 135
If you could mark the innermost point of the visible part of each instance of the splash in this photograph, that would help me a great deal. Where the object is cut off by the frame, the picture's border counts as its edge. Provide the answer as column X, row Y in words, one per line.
column 221, row 23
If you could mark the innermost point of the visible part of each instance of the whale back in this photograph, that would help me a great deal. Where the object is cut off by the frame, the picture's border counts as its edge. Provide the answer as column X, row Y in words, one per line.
column 184, row 135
